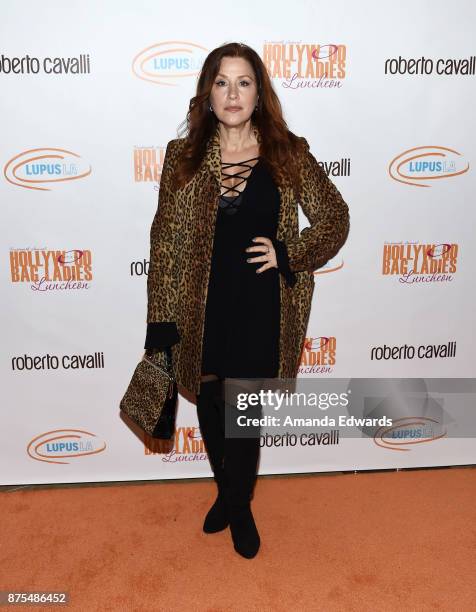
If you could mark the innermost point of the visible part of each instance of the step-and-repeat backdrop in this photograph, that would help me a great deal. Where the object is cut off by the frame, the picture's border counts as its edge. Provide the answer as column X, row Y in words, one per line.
column 91, row 92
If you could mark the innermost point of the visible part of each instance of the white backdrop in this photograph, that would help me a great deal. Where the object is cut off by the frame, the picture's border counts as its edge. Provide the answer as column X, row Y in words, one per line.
column 91, row 94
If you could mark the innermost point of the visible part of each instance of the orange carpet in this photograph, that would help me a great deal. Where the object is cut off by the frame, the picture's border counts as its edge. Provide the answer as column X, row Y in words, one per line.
column 369, row 541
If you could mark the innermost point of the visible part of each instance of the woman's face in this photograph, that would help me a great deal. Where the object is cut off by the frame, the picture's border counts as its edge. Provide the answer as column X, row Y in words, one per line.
column 234, row 92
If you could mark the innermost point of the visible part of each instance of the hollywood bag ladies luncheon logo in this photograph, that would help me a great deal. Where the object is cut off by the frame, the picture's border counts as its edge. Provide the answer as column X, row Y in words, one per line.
column 52, row 270
column 318, row 355
column 188, row 445
column 413, row 262
column 306, row 65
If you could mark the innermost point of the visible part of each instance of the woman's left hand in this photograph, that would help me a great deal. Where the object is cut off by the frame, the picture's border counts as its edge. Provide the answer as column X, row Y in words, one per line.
column 269, row 256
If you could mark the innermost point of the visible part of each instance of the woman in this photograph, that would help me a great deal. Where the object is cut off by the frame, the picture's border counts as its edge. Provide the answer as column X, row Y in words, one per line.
column 230, row 277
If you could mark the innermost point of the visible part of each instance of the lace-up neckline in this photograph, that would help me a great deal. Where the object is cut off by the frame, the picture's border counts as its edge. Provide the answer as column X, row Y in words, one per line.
column 231, row 202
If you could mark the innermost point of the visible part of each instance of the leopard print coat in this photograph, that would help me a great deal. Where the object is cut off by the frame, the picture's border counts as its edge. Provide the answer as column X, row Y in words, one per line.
column 181, row 243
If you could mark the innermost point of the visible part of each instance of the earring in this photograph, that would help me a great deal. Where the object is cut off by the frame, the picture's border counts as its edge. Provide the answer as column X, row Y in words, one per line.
column 211, row 109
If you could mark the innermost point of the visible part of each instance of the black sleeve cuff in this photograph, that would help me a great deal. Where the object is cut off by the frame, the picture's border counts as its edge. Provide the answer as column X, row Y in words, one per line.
column 161, row 335
column 282, row 259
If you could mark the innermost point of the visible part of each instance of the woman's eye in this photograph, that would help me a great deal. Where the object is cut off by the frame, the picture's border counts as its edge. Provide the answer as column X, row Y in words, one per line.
column 241, row 82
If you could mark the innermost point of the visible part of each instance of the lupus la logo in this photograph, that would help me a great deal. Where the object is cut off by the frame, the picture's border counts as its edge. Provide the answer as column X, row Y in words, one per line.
column 188, row 445
column 148, row 164
column 422, row 165
column 45, row 168
column 63, row 446
column 318, row 355
column 306, row 65
column 334, row 264
column 51, row 270
column 407, row 432
column 168, row 62
column 417, row 263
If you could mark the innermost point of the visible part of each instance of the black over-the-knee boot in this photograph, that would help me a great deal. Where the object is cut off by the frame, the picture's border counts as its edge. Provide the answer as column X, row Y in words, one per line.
column 211, row 423
column 241, row 463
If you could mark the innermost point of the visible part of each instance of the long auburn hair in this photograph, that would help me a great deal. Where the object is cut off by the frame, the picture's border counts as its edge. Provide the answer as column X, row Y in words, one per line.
column 279, row 147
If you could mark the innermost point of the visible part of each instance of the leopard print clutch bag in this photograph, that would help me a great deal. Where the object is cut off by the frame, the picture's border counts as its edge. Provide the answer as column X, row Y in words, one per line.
column 151, row 398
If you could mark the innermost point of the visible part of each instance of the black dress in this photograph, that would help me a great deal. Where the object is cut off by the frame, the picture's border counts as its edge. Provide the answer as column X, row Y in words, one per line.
column 242, row 315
